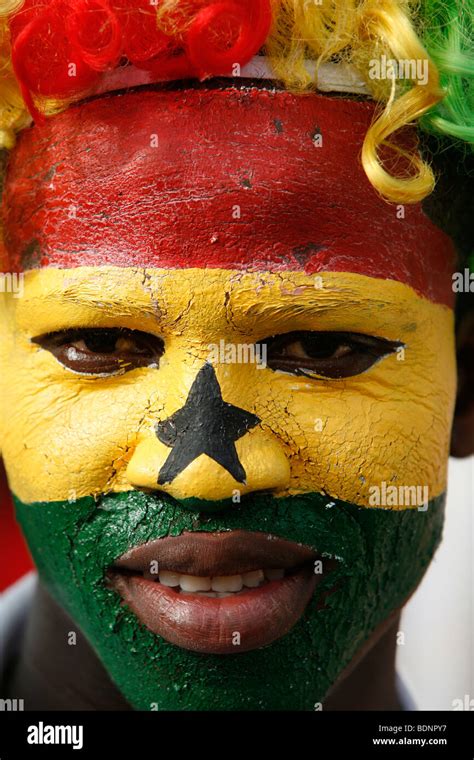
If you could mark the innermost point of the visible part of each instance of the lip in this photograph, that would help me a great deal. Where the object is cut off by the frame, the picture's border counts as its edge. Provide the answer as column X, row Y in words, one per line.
column 249, row 619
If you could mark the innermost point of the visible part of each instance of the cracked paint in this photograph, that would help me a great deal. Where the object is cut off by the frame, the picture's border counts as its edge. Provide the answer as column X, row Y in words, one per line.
column 384, row 422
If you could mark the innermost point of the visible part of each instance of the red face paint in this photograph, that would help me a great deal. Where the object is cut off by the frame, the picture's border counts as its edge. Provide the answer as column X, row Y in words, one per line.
column 214, row 178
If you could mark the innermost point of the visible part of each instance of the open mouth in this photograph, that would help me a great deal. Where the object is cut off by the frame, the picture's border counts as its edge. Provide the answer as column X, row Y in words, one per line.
column 219, row 593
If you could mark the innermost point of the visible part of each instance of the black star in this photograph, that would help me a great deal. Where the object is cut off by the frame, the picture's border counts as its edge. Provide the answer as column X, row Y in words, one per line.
column 204, row 425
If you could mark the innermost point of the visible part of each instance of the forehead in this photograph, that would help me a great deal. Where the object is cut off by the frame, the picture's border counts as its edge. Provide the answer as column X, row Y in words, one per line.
column 237, row 179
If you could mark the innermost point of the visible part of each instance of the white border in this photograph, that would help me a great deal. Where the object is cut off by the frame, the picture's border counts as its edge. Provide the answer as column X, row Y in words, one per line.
column 331, row 77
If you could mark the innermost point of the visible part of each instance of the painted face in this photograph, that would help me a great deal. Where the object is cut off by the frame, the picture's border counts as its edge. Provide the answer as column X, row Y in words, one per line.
column 228, row 391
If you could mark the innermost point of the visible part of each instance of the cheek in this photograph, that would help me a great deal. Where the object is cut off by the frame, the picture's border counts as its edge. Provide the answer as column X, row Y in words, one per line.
column 390, row 424
column 68, row 435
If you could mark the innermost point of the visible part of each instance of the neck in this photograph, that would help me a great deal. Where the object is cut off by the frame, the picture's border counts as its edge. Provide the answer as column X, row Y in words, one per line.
column 53, row 674
column 369, row 683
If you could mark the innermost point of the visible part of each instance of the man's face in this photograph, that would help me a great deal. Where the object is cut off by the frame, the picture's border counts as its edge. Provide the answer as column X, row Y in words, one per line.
column 231, row 351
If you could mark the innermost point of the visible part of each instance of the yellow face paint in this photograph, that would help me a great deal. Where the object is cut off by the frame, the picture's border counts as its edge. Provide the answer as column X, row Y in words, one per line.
column 66, row 435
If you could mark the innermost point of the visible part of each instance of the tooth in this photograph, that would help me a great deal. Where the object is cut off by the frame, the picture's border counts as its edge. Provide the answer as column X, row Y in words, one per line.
column 167, row 578
column 227, row 583
column 274, row 574
column 211, row 594
column 222, row 594
column 253, row 578
column 194, row 583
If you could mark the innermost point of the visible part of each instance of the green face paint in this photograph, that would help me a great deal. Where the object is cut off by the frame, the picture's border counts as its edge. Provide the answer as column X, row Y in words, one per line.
column 382, row 555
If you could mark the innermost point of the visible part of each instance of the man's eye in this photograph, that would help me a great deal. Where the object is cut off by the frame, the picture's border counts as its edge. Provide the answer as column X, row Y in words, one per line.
column 103, row 351
column 328, row 354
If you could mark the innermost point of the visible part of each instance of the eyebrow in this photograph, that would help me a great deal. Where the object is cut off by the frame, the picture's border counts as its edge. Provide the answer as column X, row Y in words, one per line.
column 95, row 302
column 333, row 301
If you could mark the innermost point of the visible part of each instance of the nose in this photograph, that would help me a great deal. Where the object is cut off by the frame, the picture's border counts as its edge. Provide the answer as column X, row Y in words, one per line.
column 209, row 449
